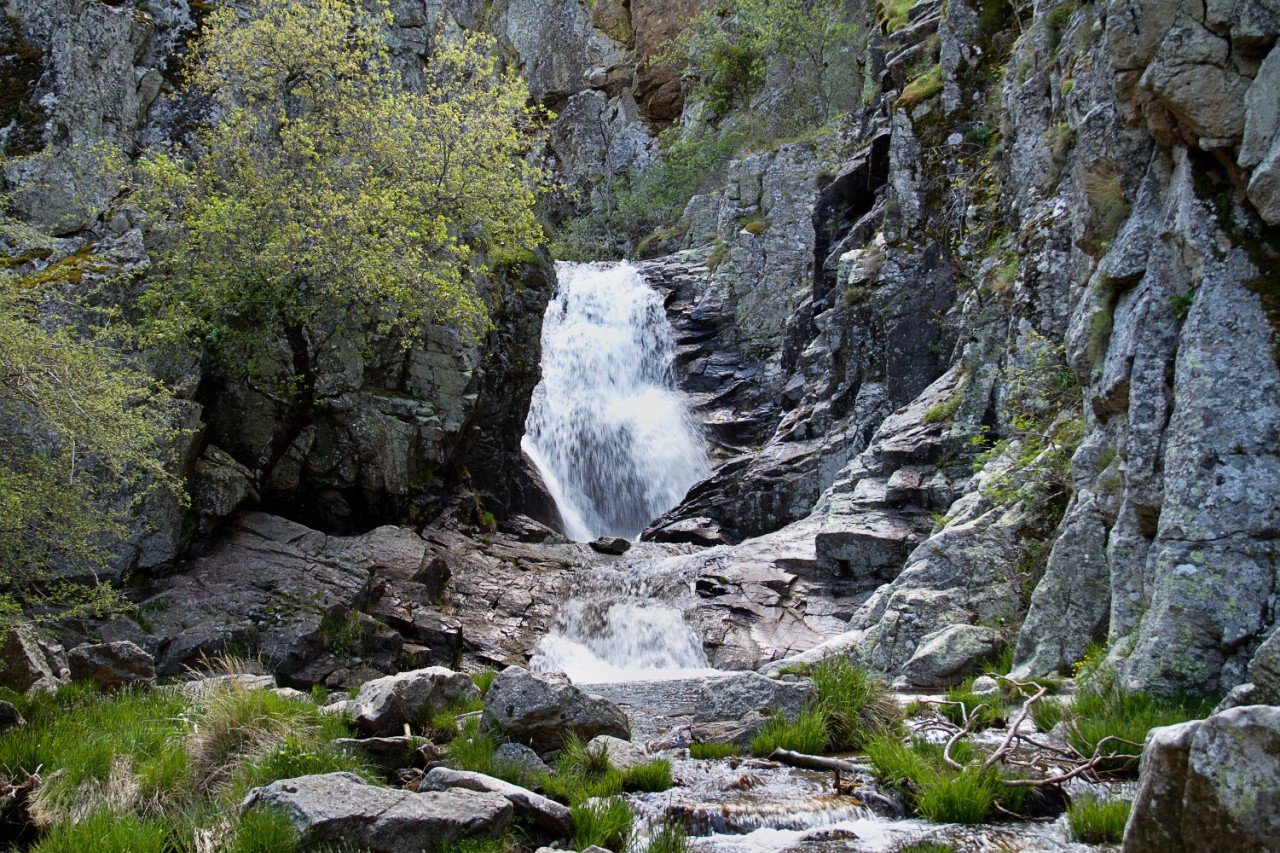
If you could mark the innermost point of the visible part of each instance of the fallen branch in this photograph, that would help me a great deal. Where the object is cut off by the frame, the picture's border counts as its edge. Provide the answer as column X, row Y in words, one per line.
column 812, row 762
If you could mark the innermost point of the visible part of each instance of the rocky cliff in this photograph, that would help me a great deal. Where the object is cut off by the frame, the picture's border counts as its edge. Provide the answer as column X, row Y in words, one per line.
column 989, row 360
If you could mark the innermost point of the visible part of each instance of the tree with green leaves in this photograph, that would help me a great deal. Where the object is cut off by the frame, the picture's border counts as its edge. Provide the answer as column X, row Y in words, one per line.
column 329, row 204
column 82, row 434
column 727, row 48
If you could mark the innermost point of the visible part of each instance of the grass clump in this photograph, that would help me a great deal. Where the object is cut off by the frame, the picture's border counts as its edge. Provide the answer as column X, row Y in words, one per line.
column 670, row 838
column 483, row 680
column 990, row 710
column 807, row 733
column 1095, row 715
column 714, row 750
column 965, row 797
column 1094, row 821
column 606, row 823
column 107, row 831
column 936, row 791
column 264, row 830
column 853, row 702
column 921, row 89
column 582, row 774
column 652, row 777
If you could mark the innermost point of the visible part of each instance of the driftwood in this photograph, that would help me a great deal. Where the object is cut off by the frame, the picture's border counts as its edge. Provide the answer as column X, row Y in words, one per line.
column 813, row 762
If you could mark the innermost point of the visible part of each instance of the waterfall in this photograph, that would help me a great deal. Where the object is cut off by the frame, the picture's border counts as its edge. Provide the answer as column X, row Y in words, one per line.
column 607, row 429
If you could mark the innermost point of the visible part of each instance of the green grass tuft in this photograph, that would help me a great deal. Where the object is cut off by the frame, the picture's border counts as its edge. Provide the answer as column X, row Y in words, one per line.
column 1097, row 714
column 670, row 838
column 713, row 751
column 1094, row 821
column 964, row 797
column 483, row 679
column 854, row 703
column 807, row 734
column 607, row 823
column 264, row 830
column 651, row 777
column 991, row 710
column 106, row 832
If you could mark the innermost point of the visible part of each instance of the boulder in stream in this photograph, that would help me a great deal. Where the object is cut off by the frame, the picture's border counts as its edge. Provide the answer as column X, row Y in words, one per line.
column 546, row 814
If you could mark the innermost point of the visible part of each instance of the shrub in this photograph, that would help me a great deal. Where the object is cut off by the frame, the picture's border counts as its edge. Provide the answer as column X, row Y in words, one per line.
column 807, row 734
column 606, row 823
column 106, row 832
column 713, row 751
column 1095, row 821
column 853, row 702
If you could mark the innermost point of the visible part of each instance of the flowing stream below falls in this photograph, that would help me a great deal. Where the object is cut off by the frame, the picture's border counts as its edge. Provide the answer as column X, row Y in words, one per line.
column 613, row 438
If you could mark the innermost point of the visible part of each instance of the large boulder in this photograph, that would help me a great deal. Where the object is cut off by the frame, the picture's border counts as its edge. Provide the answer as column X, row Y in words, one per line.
column 543, row 710
column 548, row 815
column 947, row 655
column 111, row 665
column 385, row 705
column 31, row 663
column 341, row 808
column 1213, row 779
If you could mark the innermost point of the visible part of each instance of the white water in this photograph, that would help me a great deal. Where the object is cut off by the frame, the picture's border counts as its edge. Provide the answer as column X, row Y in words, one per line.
column 615, row 444
column 607, row 428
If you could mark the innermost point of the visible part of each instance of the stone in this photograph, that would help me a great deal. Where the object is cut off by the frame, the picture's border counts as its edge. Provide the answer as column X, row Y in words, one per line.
column 111, row 665
column 385, row 705
column 611, row 545
column 946, row 656
column 10, row 717
column 395, row 751
column 31, row 663
column 201, row 687
column 1155, row 823
column 341, row 808
column 520, row 756
column 546, row 814
column 543, row 710
column 220, row 485
column 623, row 754
column 1216, row 778
column 1264, row 671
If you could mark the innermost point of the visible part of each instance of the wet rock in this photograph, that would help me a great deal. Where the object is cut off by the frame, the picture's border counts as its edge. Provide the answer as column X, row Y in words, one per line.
column 622, row 754
column 547, row 815
column 340, row 808
column 947, row 655
column 111, row 665
column 29, row 662
column 385, row 705
column 10, row 718
column 611, row 545
column 542, row 711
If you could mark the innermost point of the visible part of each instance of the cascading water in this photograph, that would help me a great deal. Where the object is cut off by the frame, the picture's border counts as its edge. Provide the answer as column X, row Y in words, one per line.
column 614, row 441
column 607, row 429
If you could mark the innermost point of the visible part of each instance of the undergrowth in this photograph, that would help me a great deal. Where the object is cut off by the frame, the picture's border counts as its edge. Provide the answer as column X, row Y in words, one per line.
column 1094, row 821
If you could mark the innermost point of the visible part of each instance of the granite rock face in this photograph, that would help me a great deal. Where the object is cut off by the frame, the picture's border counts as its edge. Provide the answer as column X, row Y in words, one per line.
column 542, row 710
column 111, row 665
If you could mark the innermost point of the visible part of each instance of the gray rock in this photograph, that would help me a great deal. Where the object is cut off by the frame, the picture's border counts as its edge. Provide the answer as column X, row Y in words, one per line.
column 111, row 665
column 548, row 815
column 340, row 808
column 397, row 751
column 1264, row 671
column 543, row 710
column 611, row 545
column 385, row 705
column 201, row 687
column 10, row 717
column 29, row 662
column 521, row 756
column 947, row 655
column 622, row 754
column 1156, row 820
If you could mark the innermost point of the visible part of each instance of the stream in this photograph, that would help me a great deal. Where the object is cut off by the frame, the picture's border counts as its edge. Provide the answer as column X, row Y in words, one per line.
column 613, row 439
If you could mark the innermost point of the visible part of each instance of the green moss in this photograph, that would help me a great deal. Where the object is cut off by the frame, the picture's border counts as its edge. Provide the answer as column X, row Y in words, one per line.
column 921, row 89
column 20, row 69
column 893, row 14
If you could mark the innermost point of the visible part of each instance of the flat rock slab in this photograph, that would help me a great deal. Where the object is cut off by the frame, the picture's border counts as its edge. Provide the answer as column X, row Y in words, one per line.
column 546, row 814
column 343, row 808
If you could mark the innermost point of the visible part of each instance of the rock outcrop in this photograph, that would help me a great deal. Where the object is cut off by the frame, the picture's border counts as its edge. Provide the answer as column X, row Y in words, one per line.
column 544, row 710
column 111, row 665
column 385, row 705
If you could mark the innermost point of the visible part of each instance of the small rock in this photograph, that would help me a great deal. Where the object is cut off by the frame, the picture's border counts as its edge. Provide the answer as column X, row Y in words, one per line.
column 985, row 685
column 400, row 751
column 546, row 814
column 622, row 754
column 519, row 755
column 615, row 545
column 543, row 710
column 10, row 718
column 341, row 808
column 384, row 705
column 235, row 681
column 112, row 665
